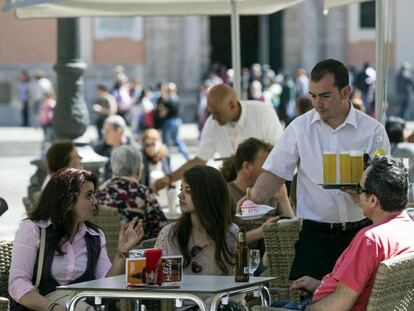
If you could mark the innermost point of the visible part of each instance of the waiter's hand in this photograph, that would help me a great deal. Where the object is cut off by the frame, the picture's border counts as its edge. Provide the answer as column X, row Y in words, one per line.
column 160, row 184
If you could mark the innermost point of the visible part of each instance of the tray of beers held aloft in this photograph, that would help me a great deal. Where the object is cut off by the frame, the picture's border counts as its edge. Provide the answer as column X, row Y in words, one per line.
column 351, row 167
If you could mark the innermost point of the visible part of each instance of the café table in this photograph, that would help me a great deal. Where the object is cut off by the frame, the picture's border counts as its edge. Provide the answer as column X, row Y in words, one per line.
column 192, row 287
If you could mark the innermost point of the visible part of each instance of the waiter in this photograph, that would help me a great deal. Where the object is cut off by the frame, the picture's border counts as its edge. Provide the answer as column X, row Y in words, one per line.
column 330, row 217
column 231, row 122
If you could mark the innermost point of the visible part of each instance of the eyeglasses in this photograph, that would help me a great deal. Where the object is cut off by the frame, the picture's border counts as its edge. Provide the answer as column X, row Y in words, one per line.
column 148, row 145
column 196, row 267
column 362, row 190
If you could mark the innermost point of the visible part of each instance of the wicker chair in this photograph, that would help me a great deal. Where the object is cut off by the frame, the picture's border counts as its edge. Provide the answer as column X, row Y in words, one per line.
column 394, row 285
column 393, row 288
column 4, row 304
column 280, row 239
column 108, row 220
column 5, row 259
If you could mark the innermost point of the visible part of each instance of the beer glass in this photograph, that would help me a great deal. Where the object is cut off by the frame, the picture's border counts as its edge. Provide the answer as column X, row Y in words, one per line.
column 345, row 167
column 329, row 167
column 357, row 166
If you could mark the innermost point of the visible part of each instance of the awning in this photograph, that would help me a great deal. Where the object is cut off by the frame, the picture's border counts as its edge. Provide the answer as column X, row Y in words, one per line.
column 85, row 8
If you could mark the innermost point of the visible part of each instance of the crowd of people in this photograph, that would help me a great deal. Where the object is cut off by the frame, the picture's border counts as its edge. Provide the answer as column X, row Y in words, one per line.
column 344, row 236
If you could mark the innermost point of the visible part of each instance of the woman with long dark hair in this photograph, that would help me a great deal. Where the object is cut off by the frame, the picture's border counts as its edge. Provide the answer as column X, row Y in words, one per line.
column 204, row 235
column 75, row 249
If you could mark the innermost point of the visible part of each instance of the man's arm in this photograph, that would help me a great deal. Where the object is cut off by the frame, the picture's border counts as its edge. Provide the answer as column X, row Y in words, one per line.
column 176, row 175
column 342, row 299
column 265, row 186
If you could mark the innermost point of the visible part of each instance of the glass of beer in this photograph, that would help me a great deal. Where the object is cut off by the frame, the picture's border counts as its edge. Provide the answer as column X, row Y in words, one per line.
column 345, row 167
column 357, row 166
column 329, row 167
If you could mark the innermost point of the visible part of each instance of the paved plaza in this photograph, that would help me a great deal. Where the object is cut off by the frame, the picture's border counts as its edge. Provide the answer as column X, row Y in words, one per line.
column 19, row 146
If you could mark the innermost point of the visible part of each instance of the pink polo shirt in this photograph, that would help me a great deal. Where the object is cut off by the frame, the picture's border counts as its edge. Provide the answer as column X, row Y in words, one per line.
column 65, row 268
column 357, row 265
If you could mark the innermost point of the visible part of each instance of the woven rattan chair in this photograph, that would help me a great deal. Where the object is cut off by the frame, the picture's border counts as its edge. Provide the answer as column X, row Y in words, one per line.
column 4, row 304
column 108, row 220
column 280, row 239
column 394, row 285
column 5, row 259
column 393, row 288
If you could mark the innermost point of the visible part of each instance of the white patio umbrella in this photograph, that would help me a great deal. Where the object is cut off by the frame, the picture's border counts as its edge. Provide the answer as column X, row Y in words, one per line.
column 88, row 8
column 380, row 47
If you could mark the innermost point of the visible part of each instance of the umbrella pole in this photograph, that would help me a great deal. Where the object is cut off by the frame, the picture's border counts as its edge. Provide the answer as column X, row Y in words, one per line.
column 235, row 46
column 380, row 61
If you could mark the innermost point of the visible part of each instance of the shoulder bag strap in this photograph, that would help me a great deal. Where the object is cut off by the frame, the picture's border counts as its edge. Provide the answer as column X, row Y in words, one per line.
column 41, row 256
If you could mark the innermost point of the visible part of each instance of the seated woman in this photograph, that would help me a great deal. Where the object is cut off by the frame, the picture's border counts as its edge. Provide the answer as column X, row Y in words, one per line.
column 75, row 249
column 241, row 172
column 204, row 235
column 124, row 192
column 155, row 157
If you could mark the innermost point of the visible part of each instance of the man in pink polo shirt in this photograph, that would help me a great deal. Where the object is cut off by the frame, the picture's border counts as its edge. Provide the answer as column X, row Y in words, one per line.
column 382, row 194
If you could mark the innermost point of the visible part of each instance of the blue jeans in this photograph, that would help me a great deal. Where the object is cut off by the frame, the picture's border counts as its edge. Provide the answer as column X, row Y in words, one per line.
column 170, row 129
column 293, row 305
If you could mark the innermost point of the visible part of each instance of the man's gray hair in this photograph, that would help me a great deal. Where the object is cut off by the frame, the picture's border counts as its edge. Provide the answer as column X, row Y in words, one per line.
column 126, row 160
column 116, row 122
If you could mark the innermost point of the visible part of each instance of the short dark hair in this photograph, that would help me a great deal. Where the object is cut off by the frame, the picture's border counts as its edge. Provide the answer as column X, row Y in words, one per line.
column 246, row 151
column 58, row 155
column 395, row 131
column 333, row 67
column 387, row 178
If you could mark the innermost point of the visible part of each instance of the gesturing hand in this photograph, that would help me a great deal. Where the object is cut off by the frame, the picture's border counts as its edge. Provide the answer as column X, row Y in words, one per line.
column 130, row 235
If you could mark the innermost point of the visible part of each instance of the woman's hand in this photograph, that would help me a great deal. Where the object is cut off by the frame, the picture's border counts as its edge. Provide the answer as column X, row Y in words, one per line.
column 130, row 235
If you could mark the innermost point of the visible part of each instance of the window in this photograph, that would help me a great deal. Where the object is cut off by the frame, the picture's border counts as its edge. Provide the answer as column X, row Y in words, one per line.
column 367, row 14
column 119, row 27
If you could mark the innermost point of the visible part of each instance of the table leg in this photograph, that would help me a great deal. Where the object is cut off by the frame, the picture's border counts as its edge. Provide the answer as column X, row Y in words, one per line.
column 135, row 295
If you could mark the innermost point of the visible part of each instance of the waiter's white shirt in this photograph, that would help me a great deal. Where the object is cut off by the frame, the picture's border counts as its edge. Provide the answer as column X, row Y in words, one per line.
column 256, row 120
column 301, row 146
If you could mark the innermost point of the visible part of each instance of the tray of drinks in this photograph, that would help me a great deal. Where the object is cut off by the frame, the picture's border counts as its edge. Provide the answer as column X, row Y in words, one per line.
column 339, row 186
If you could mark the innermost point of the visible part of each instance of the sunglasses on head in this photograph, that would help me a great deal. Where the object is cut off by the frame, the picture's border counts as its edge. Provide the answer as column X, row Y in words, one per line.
column 196, row 267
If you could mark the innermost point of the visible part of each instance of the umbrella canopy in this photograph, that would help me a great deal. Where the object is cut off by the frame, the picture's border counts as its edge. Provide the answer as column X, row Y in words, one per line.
column 89, row 8
column 333, row 3
column 84, row 8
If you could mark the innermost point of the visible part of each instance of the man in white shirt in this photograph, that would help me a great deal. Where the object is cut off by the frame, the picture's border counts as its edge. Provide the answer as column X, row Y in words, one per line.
column 231, row 122
column 330, row 217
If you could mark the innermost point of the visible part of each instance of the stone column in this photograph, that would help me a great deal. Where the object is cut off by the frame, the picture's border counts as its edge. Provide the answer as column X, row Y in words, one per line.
column 71, row 116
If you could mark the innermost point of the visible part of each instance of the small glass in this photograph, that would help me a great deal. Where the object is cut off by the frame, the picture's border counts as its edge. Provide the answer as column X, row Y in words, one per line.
column 254, row 260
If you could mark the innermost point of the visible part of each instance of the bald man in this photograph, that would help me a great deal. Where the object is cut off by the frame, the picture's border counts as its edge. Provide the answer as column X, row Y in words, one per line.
column 231, row 121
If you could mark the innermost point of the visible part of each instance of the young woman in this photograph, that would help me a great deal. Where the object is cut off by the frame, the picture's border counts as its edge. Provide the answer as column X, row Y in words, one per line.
column 204, row 235
column 75, row 249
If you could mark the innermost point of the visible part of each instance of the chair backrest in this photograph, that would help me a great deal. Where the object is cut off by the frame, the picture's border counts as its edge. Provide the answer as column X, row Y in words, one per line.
column 4, row 304
column 108, row 220
column 280, row 239
column 394, row 285
column 5, row 260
